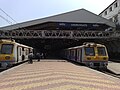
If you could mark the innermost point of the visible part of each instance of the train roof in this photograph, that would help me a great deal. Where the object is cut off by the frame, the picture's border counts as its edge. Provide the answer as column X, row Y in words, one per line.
column 7, row 40
column 23, row 45
column 86, row 45
column 92, row 43
column 13, row 42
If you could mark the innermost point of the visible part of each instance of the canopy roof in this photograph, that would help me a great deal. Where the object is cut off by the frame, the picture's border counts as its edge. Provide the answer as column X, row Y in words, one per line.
column 78, row 16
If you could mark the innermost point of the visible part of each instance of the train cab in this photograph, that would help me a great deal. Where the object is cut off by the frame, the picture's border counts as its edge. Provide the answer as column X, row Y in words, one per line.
column 91, row 54
column 12, row 52
column 95, row 55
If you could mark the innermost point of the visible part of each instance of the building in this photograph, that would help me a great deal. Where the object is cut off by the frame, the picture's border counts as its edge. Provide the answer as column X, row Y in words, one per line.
column 112, row 12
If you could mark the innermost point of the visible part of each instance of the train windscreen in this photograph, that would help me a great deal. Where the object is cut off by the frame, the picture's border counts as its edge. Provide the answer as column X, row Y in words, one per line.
column 101, row 51
column 6, row 49
column 89, row 51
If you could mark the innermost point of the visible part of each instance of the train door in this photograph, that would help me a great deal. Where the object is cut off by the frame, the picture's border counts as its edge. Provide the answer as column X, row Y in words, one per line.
column 68, row 56
column 76, row 55
column 79, row 55
column 23, row 53
column 72, row 55
column 19, row 54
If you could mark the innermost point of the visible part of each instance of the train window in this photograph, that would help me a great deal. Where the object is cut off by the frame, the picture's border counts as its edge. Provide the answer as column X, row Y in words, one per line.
column 72, row 52
column 22, row 48
column 89, row 51
column 20, row 51
column 26, row 51
column 6, row 48
column 101, row 51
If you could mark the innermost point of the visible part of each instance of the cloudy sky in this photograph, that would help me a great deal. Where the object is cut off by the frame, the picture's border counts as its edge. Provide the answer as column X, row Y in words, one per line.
column 25, row 10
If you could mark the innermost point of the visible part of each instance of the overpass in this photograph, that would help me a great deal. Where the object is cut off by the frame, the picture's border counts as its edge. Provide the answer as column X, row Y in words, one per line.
column 59, row 34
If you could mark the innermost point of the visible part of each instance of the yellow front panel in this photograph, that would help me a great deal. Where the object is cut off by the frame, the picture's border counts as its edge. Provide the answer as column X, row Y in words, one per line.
column 96, row 57
column 4, row 57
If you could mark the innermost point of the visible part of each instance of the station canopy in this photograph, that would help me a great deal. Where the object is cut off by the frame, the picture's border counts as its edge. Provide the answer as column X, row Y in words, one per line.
column 75, row 20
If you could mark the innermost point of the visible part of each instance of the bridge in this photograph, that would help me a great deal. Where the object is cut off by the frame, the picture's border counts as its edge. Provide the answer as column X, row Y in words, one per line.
column 59, row 34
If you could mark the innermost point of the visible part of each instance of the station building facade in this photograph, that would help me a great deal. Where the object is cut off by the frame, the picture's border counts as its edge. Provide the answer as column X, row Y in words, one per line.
column 112, row 12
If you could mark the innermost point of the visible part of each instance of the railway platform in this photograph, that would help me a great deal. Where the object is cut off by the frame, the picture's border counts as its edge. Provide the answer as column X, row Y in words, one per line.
column 56, row 75
column 114, row 67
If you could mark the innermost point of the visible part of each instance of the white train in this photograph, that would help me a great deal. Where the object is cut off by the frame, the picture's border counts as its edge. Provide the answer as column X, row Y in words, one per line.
column 91, row 54
column 12, row 52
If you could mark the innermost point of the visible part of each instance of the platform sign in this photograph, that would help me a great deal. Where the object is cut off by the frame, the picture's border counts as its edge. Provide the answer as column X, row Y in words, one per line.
column 82, row 25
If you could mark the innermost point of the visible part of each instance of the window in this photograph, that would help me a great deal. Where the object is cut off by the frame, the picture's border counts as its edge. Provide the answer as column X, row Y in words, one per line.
column 105, row 12
column 111, row 19
column 115, row 18
column 101, row 51
column 20, row 51
column 72, row 52
column 110, row 9
column 89, row 51
column 115, row 5
column 25, row 51
column 6, row 48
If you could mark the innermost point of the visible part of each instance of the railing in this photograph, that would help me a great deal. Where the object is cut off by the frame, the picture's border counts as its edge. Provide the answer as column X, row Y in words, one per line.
column 67, row 34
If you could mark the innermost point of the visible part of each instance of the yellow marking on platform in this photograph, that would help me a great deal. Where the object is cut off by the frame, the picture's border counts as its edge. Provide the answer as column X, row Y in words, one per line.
column 28, row 86
column 75, row 87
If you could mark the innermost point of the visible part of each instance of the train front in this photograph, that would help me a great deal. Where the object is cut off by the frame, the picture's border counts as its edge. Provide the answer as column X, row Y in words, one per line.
column 95, row 55
column 6, row 53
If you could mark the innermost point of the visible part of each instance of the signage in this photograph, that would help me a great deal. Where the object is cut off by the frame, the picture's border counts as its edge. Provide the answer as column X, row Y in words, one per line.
column 79, row 24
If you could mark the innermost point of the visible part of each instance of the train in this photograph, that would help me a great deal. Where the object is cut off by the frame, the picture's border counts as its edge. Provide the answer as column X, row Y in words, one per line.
column 90, row 54
column 12, row 52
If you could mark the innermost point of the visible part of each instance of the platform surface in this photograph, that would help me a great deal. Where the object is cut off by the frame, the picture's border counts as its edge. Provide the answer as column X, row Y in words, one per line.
column 114, row 67
column 56, row 75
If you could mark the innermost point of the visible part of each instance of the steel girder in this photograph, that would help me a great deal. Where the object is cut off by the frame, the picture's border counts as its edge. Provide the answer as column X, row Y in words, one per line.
column 66, row 34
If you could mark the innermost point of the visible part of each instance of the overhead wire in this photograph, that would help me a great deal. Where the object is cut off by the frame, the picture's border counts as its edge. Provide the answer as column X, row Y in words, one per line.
column 8, row 15
column 6, row 19
column 10, row 22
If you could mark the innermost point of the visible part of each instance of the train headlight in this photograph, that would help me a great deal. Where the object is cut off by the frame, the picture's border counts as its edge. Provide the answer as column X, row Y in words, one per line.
column 7, row 57
column 88, row 58
column 104, row 58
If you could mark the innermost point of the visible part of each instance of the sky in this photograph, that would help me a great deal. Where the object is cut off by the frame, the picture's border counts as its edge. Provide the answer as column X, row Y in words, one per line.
column 26, row 10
